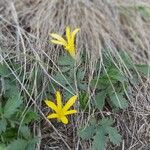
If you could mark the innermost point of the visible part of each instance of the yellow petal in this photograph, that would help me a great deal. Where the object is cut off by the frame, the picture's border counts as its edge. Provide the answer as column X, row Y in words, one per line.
column 70, row 102
column 74, row 33
column 69, row 112
column 64, row 119
column 51, row 105
column 51, row 116
column 57, row 42
column 58, row 99
column 58, row 37
column 68, row 34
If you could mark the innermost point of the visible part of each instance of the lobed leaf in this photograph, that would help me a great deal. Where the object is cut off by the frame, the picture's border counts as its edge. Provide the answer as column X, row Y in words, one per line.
column 88, row 132
column 115, row 74
column 99, row 139
column 11, row 105
column 25, row 132
column 18, row 144
column 30, row 116
column 3, row 125
column 106, row 122
column 32, row 143
column 144, row 69
column 118, row 100
column 114, row 136
column 100, row 99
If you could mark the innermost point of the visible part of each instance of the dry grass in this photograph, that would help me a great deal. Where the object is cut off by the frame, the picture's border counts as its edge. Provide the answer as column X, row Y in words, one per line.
column 111, row 25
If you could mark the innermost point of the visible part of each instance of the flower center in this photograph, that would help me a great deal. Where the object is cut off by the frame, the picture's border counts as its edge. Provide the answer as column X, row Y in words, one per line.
column 60, row 113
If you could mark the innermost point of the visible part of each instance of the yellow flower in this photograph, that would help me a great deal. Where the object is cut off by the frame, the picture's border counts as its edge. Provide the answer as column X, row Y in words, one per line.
column 69, row 43
column 61, row 111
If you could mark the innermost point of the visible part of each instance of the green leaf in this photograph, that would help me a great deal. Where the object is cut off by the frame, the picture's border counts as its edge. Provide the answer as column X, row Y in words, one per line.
column 112, row 75
column 83, row 99
column 80, row 74
column 18, row 144
column 144, row 69
column 127, row 60
column 82, row 86
column 118, row 100
column 115, row 74
column 101, row 83
column 66, row 60
column 30, row 116
column 9, row 134
column 144, row 11
column 114, row 136
column 106, row 122
column 100, row 99
column 4, row 71
column 71, row 74
column 2, row 147
column 11, row 105
column 99, row 139
column 3, row 125
column 99, row 132
column 32, row 143
column 59, row 78
column 88, row 132
column 25, row 132
column 1, row 109
column 10, row 87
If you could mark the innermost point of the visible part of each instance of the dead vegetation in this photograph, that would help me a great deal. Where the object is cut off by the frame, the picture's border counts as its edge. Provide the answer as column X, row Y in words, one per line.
column 24, row 34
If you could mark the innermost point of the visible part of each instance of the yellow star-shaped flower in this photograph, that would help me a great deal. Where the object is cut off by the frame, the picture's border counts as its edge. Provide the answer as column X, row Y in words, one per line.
column 69, row 43
column 61, row 111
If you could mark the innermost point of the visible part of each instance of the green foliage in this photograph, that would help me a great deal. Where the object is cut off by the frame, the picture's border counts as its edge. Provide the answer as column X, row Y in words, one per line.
column 83, row 99
column 65, row 78
column 100, row 99
column 25, row 132
column 143, row 69
column 3, row 124
column 70, row 76
column 110, row 88
column 113, row 134
column 144, row 12
column 21, row 144
column 2, row 147
column 11, row 105
column 99, row 139
column 106, row 122
column 100, row 132
column 110, row 85
column 14, row 127
column 118, row 100
column 30, row 116
column 88, row 132
column 66, row 61
column 4, row 70
column 18, row 144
